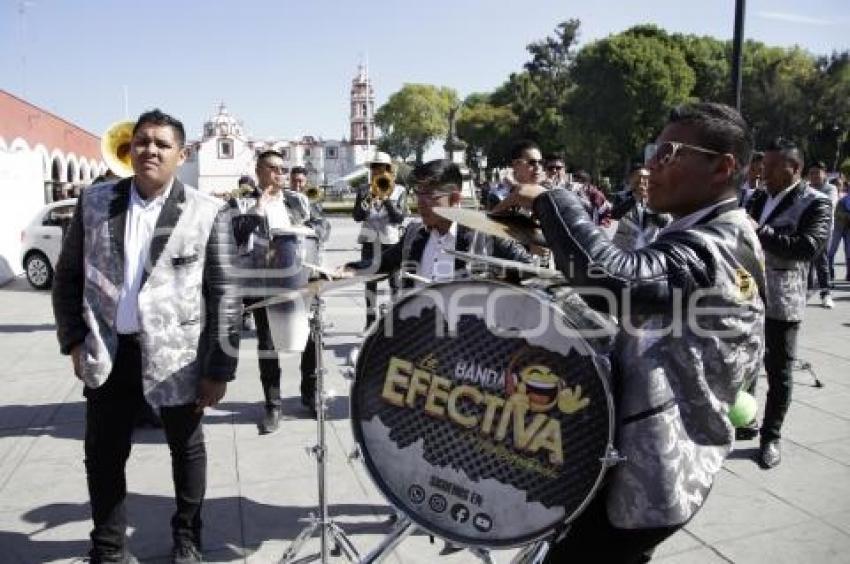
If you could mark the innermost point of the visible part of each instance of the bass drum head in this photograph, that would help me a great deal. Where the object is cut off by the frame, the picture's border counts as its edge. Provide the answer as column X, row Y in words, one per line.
column 481, row 413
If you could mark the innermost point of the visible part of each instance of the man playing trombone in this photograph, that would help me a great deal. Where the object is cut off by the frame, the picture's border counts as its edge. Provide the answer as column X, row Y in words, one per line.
column 422, row 250
column 380, row 208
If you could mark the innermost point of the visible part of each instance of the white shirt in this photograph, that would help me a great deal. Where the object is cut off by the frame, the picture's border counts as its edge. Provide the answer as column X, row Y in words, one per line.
column 436, row 265
column 688, row 221
column 772, row 202
column 138, row 233
column 276, row 212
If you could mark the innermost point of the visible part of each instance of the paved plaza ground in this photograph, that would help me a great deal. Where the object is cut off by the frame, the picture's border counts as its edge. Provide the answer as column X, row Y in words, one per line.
column 260, row 486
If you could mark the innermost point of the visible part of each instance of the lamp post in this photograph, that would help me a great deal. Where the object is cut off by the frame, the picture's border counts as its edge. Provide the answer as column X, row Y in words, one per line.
column 737, row 51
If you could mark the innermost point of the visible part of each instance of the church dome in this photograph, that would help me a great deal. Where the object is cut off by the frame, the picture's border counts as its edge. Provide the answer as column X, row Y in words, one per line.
column 222, row 124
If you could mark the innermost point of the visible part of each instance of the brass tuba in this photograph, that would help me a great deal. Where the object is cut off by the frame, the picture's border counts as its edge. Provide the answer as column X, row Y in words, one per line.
column 115, row 147
column 314, row 194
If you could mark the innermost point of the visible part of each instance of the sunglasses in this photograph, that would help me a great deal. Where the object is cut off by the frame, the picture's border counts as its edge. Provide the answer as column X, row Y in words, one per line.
column 532, row 162
column 555, row 167
column 666, row 152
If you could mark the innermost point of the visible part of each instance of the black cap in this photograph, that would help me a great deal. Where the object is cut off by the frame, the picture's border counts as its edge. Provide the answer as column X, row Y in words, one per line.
column 818, row 164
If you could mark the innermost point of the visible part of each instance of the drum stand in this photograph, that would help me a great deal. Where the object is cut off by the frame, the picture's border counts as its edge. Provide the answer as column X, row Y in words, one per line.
column 325, row 525
column 533, row 553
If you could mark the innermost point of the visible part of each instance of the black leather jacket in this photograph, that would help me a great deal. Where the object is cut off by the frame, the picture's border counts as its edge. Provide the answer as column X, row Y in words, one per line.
column 676, row 260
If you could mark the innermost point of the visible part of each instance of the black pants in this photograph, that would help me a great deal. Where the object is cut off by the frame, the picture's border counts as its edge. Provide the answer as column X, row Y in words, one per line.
column 819, row 273
column 367, row 253
column 592, row 538
column 110, row 412
column 780, row 340
column 269, row 361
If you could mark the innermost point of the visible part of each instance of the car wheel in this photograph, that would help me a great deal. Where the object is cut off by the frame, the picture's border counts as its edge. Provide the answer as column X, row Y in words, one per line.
column 39, row 271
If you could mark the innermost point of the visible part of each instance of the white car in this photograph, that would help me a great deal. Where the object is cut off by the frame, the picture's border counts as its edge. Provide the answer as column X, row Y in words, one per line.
column 41, row 242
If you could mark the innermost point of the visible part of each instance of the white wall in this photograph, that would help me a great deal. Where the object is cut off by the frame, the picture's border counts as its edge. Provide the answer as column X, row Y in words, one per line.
column 21, row 184
column 221, row 175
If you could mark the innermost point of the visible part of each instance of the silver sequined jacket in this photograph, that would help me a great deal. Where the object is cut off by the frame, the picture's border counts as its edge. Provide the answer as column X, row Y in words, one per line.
column 188, row 311
column 793, row 234
column 691, row 332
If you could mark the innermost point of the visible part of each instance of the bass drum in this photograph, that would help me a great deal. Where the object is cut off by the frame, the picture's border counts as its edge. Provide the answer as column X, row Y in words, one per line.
column 484, row 411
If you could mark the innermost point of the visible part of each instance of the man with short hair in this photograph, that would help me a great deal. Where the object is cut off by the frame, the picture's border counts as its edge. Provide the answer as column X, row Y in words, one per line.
column 381, row 219
column 754, row 179
column 596, row 205
column 637, row 182
column 277, row 209
column 526, row 167
column 322, row 228
column 422, row 250
column 637, row 224
column 317, row 221
column 820, row 264
column 704, row 276
column 146, row 307
column 556, row 171
column 792, row 222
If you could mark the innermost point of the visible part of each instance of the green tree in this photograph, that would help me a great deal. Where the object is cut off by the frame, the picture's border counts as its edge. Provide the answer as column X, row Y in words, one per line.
column 710, row 59
column 486, row 127
column 413, row 118
column 625, row 85
column 832, row 109
column 538, row 95
column 777, row 92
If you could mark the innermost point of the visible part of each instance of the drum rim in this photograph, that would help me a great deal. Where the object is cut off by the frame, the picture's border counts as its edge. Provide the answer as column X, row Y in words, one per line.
column 392, row 499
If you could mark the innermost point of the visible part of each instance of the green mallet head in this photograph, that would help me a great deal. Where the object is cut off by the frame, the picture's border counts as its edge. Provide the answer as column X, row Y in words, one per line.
column 744, row 410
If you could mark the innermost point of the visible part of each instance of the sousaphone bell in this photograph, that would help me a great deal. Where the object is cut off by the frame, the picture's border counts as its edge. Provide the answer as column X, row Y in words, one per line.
column 115, row 147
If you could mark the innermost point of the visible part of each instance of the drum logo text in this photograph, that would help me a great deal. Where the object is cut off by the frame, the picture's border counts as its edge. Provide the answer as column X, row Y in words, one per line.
column 532, row 430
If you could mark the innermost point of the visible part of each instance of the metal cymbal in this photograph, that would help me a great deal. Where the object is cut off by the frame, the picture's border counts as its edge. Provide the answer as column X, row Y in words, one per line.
column 314, row 288
column 504, row 263
column 515, row 227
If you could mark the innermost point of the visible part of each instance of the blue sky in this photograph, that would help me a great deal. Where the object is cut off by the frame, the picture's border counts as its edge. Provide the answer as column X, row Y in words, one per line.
column 284, row 68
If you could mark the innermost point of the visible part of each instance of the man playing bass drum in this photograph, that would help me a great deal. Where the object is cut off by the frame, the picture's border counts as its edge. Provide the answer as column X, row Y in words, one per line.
column 691, row 330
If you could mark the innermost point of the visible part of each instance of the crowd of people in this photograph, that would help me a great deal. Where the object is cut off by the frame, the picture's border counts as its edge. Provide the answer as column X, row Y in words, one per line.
column 151, row 291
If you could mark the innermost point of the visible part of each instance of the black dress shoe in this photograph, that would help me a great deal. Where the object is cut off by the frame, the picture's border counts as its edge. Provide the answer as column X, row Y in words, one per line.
column 770, row 454
column 186, row 553
column 126, row 558
column 271, row 421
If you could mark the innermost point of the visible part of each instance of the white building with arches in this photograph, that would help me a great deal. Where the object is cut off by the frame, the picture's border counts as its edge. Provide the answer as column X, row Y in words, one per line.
column 42, row 158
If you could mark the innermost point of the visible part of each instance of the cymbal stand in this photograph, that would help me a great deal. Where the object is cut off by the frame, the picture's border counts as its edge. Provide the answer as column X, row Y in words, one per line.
column 323, row 523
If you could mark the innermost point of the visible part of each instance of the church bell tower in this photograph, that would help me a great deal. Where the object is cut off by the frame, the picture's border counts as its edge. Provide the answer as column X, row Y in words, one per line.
column 362, row 117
